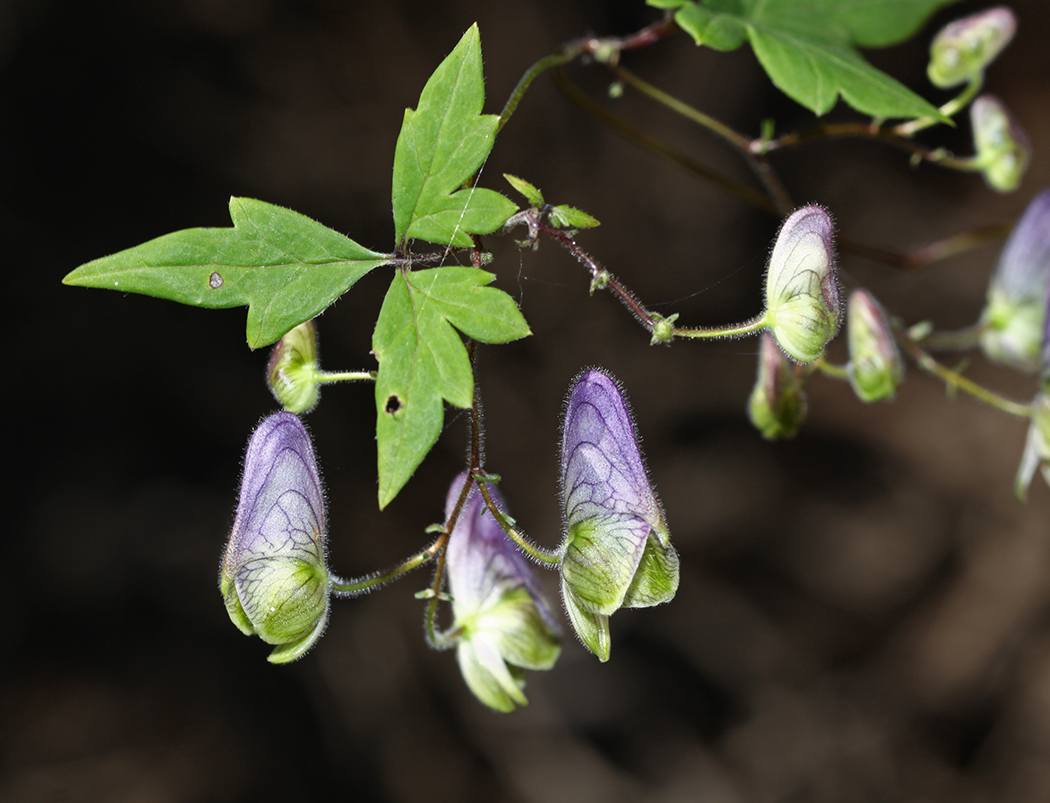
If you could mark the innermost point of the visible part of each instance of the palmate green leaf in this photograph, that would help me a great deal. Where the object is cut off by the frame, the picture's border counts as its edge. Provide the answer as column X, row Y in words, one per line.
column 441, row 145
column 423, row 362
column 808, row 47
column 286, row 267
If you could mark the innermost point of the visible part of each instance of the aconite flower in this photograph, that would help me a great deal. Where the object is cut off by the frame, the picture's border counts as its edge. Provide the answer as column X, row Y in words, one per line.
column 273, row 576
column 617, row 550
column 1015, row 315
column 876, row 367
column 965, row 47
column 802, row 292
column 502, row 621
column 292, row 370
column 1003, row 151
column 777, row 404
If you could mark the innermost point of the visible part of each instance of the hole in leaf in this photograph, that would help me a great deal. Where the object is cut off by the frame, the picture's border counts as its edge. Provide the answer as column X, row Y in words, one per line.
column 393, row 404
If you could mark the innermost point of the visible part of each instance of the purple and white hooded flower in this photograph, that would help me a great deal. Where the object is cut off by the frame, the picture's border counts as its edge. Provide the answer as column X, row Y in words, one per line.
column 803, row 307
column 503, row 624
column 273, row 576
column 1015, row 314
column 617, row 550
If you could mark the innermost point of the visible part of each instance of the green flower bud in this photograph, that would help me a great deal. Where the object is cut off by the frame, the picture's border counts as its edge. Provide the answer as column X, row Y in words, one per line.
column 1002, row 146
column 876, row 367
column 617, row 551
column 1036, row 448
column 292, row 371
column 273, row 578
column 504, row 622
column 802, row 292
column 1015, row 314
column 777, row 405
column 965, row 47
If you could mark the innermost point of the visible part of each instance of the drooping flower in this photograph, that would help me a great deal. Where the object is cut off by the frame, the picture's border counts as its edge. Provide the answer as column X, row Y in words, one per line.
column 617, row 550
column 962, row 49
column 1015, row 315
column 273, row 576
column 292, row 370
column 503, row 622
column 803, row 309
column 876, row 367
column 777, row 405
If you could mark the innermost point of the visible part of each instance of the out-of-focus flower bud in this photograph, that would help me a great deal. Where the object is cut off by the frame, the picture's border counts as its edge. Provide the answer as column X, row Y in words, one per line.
column 504, row 623
column 1036, row 447
column 617, row 551
column 273, row 576
column 802, row 292
column 876, row 367
column 965, row 47
column 1015, row 315
column 1002, row 145
column 777, row 405
column 292, row 371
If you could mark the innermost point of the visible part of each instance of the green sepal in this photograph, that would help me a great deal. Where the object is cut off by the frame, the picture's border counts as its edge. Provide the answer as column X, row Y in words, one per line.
column 234, row 607
column 656, row 580
column 592, row 628
column 488, row 676
column 600, row 558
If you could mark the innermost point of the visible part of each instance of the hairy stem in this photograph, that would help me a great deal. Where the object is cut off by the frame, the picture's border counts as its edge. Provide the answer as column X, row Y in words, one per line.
column 546, row 557
column 953, row 379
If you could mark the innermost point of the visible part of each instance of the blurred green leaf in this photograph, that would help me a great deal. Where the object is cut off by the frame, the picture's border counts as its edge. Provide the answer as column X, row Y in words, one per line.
column 530, row 191
column 423, row 362
column 286, row 267
column 442, row 144
column 570, row 217
column 808, row 47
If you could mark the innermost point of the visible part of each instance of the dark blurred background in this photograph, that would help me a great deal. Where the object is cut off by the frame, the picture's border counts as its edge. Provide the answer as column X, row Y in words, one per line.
column 863, row 613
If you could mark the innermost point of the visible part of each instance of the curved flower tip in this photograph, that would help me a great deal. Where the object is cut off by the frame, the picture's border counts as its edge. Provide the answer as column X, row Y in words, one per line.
column 502, row 617
column 803, row 309
column 273, row 576
column 617, row 550
column 876, row 367
column 1015, row 315
column 777, row 405
column 965, row 47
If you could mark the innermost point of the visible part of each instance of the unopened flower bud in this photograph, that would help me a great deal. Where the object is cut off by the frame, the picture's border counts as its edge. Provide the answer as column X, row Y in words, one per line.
column 965, row 47
column 876, row 367
column 617, row 550
column 1015, row 315
column 504, row 622
column 273, row 576
column 802, row 292
column 1037, row 446
column 777, row 405
column 1002, row 146
column 292, row 371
